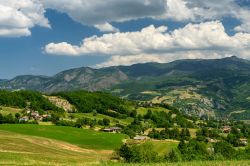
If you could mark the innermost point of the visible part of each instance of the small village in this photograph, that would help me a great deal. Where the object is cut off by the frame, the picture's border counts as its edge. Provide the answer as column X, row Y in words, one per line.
column 34, row 115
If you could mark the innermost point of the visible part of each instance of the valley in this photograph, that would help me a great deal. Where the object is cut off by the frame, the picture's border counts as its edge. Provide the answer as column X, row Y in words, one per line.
column 96, row 128
column 219, row 87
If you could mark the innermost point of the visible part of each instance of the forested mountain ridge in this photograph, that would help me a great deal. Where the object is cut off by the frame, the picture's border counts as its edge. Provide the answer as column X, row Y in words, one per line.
column 198, row 87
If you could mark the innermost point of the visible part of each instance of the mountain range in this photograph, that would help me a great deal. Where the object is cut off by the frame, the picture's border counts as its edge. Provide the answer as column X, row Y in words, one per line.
column 209, row 88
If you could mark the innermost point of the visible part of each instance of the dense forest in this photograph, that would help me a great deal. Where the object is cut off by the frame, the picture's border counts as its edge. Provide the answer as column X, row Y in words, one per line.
column 104, row 103
column 27, row 99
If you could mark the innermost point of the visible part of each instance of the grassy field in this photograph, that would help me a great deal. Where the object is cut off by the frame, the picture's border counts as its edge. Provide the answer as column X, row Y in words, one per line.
column 8, row 110
column 101, row 117
column 164, row 146
column 81, row 137
column 195, row 163
column 143, row 110
column 53, row 145
column 19, row 149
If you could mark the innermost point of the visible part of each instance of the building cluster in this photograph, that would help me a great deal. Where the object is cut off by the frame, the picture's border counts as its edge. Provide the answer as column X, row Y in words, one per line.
column 33, row 115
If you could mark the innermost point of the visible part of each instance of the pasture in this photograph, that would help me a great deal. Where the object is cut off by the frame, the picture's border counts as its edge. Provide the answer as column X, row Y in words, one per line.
column 19, row 149
column 83, row 138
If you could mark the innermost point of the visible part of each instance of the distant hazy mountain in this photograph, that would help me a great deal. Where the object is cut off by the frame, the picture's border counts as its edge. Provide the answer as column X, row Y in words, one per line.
column 200, row 87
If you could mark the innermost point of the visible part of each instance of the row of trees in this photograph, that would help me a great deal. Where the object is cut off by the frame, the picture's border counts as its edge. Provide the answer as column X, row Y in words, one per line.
column 193, row 150
column 174, row 133
column 10, row 119
column 83, row 122
column 234, row 137
column 166, row 120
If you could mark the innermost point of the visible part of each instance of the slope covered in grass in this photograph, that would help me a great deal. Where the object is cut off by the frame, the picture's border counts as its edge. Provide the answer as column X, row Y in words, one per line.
column 19, row 149
column 81, row 137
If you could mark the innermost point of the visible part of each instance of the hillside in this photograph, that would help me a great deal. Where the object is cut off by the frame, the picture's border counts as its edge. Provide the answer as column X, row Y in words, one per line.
column 106, row 128
column 23, row 149
column 198, row 87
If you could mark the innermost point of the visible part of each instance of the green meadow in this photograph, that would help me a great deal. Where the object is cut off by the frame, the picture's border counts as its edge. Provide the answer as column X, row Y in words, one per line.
column 20, row 149
column 83, row 138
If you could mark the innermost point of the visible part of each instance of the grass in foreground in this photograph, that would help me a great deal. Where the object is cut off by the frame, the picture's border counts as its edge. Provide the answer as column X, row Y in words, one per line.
column 194, row 163
column 81, row 137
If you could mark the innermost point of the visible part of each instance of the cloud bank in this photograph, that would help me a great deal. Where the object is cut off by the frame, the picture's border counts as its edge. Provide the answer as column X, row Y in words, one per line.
column 100, row 13
column 20, row 16
column 203, row 37
column 152, row 43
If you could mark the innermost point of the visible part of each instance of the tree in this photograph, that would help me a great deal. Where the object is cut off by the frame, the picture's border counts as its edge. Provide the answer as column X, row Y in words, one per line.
column 1, row 118
column 138, row 153
column 100, row 122
column 126, row 153
column 94, row 113
column 9, row 119
column 106, row 121
column 182, row 146
column 71, row 116
column 225, row 149
column 17, row 115
column 174, row 156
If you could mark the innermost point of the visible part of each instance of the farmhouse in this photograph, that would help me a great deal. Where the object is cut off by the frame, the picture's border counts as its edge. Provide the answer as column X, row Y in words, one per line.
column 243, row 141
column 210, row 140
column 24, row 119
column 140, row 138
column 226, row 129
column 112, row 130
column 34, row 114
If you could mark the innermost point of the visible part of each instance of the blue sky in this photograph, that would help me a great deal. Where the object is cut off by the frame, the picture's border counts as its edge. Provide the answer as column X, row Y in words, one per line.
column 51, row 40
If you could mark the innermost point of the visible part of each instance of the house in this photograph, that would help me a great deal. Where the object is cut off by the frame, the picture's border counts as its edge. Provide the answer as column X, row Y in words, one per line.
column 140, row 138
column 112, row 130
column 34, row 114
column 40, row 118
column 24, row 119
column 210, row 140
column 243, row 141
column 46, row 116
column 226, row 129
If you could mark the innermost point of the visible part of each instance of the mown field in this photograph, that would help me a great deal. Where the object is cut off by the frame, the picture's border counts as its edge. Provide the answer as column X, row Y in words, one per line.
column 20, row 149
column 83, row 138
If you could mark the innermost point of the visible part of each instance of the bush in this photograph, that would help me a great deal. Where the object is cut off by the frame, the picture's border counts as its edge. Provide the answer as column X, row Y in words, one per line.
column 225, row 149
column 174, row 156
column 138, row 153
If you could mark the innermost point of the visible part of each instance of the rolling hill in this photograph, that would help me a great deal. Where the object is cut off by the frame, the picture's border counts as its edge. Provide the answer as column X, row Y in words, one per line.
column 215, row 87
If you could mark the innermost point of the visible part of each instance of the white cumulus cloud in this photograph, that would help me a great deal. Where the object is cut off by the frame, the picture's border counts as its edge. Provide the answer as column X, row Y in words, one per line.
column 106, row 27
column 19, row 16
column 157, row 44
